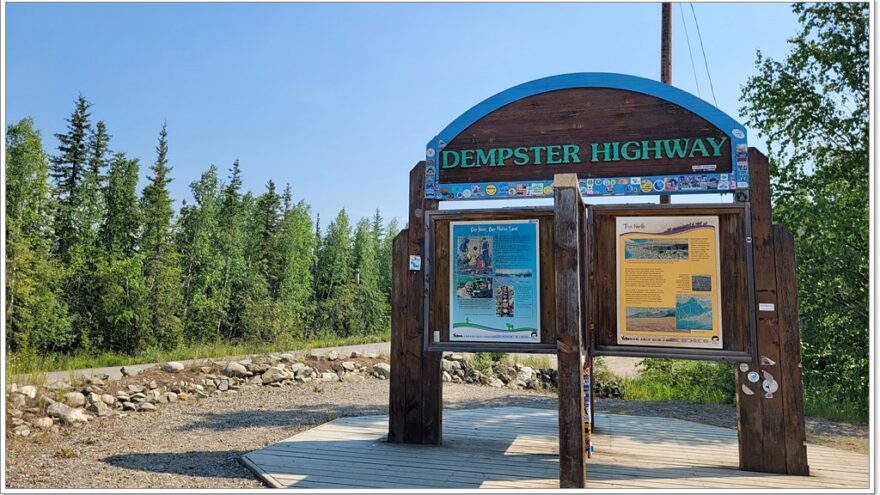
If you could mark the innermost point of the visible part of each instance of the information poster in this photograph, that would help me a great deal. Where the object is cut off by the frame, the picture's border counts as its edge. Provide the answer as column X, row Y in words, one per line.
column 494, row 282
column 667, row 282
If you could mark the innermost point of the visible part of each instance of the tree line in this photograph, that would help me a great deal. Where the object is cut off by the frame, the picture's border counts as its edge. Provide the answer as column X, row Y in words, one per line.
column 91, row 266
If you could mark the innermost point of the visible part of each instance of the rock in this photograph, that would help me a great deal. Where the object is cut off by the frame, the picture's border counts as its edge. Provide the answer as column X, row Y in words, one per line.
column 354, row 355
column 245, row 362
column 274, row 374
column 447, row 377
column 124, row 371
column 383, row 369
column 332, row 356
column 100, row 409
column 525, row 374
column 122, row 397
column 147, row 407
column 258, row 367
column 74, row 416
column 456, row 357
column 57, row 410
column 449, row 366
column 257, row 380
column 138, row 397
column 17, row 401
column 136, row 389
column 13, row 388
column 108, row 399
column 205, row 369
column 183, row 396
column 58, row 386
column 129, row 406
column 16, row 421
column 223, row 386
column 287, row 358
column 348, row 366
column 74, row 399
column 29, row 390
column 371, row 355
column 153, row 385
column 14, row 413
column 102, row 376
column 352, row 378
column 296, row 367
column 496, row 383
column 42, row 423
column 23, row 430
column 235, row 369
column 168, row 397
column 173, row 367
column 329, row 377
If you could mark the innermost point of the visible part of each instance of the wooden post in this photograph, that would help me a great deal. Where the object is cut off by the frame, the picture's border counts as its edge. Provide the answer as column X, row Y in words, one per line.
column 567, row 232
column 415, row 407
column 768, row 423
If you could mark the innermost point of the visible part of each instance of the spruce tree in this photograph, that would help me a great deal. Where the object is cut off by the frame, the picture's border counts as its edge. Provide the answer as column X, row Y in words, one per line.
column 232, row 240
column 297, row 245
column 385, row 261
column 37, row 319
column 335, row 284
column 161, row 263
column 121, row 223
column 68, row 170
column 371, row 305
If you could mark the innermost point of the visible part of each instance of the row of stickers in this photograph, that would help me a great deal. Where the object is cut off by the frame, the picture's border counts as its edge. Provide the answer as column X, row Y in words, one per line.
column 623, row 186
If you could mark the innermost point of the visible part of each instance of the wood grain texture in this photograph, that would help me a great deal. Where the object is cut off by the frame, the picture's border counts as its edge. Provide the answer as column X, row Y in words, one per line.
column 397, row 392
column 583, row 116
column 567, row 238
column 790, row 380
column 772, row 419
column 516, row 447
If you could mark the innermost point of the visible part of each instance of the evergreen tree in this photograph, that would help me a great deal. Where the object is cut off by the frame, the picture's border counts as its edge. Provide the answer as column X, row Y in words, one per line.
column 297, row 245
column 37, row 318
column 200, row 248
column 233, row 265
column 385, row 261
column 122, row 318
column 371, row 306
column 161, row 263
column 335, row 278
column 69, row 170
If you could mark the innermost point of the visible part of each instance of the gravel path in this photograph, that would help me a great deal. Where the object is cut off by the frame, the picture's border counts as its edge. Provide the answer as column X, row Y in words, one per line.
column 196, row 444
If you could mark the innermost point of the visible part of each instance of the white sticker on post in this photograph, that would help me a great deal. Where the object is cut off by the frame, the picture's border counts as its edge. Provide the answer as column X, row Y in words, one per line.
column 415, row 262
column 766, row 307
column 436, row 336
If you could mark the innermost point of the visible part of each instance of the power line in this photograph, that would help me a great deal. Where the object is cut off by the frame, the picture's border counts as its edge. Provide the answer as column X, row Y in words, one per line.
column 705, row 60
column 690, row 53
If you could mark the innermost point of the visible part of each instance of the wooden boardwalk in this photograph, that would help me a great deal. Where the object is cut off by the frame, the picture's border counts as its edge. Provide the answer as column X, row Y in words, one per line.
column 516, row 447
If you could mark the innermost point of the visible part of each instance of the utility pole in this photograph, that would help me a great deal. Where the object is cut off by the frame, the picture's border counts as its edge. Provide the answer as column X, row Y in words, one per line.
column 666, row 59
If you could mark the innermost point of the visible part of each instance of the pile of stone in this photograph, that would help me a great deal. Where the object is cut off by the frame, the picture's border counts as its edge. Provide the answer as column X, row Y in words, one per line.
column 456, row 368
column 33, row 408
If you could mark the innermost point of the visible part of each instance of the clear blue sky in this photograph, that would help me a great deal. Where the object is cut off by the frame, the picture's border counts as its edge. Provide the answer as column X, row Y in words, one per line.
column 340, row 99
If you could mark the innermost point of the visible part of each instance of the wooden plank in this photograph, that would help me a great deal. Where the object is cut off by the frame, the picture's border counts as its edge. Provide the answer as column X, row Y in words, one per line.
column 790, row 362
column 568, row 208
column 763, row 437
column 397, row 387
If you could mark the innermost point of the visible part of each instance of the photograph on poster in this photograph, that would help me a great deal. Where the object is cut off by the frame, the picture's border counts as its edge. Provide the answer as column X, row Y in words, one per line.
column 495, row 281
column 666, row 295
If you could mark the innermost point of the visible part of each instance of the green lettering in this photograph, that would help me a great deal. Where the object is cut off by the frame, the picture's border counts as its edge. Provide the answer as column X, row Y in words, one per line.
column 570, row 152
column 716, row 148
column 467, row 157
column 486, row 157
column 646, row 149
column 624, row 151
column 606, row 149
column 698, row 143
column 536, row 150
column 678, row 150
column 521, row 158
column 504, row 154
column 446, row 154
column 553, row 153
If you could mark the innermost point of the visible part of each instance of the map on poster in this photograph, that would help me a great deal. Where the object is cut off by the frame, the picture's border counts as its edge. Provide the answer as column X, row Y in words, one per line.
column 494, row 281
column 668, row 290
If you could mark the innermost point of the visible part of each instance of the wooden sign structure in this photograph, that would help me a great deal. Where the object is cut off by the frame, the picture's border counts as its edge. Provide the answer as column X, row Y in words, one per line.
column 723, row 285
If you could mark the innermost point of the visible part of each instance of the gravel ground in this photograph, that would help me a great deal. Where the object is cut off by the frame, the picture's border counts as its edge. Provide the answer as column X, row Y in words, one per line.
column 196, row 444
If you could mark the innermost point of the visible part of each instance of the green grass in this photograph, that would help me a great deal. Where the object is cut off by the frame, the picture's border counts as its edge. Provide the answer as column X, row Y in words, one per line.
column 536, row 361
column 695, row 381
column 30, row 364
column 825, row 404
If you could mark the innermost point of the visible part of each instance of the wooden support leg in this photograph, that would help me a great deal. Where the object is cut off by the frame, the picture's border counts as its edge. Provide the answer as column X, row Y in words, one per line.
column 767, row 440
column 568, row 208
column 415, row 409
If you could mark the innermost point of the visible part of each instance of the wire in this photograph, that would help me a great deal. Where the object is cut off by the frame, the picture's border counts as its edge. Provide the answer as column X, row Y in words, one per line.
column 690, row 53
column 705, row 61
